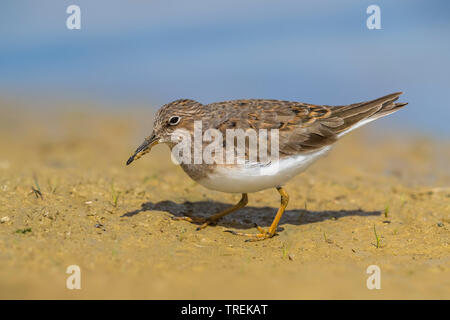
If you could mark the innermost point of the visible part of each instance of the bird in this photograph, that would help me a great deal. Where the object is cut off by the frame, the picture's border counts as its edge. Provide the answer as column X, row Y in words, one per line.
column 304, row 133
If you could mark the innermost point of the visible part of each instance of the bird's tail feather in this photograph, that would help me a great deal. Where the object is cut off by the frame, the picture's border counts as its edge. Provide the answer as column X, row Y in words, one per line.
column 358, row 114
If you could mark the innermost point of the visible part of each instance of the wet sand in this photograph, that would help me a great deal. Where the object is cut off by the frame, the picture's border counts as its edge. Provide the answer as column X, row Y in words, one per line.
column 115, row 222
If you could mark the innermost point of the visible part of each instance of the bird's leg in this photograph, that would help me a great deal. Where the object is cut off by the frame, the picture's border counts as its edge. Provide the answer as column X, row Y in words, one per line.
column 263, row 234
column 213, row 219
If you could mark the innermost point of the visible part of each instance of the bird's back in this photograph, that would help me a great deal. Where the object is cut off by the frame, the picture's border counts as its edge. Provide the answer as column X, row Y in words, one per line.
column 303, row 127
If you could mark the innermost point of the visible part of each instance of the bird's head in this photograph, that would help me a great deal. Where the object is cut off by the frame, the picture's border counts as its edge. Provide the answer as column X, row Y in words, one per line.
column 179, row 114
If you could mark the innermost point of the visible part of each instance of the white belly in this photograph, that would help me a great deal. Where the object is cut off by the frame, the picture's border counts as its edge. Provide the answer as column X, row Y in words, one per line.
column 253, row 178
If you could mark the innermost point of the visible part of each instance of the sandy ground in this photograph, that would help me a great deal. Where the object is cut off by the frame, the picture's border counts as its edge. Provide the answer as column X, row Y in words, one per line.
column 115, row 221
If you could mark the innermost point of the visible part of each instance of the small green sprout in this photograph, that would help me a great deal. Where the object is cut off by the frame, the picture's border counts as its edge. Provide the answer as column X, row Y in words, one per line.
column 284, row 250
column 115, row 195
column 36, row 189
column 378, row 238
column 23, row 231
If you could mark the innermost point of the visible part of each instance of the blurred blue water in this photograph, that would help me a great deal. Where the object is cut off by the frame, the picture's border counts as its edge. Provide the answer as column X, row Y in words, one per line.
column 157, row 51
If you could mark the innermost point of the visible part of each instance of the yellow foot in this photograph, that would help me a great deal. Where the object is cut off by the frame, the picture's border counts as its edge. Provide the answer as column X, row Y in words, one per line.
column 262, row 235
column 213, row 219
column 205, row 221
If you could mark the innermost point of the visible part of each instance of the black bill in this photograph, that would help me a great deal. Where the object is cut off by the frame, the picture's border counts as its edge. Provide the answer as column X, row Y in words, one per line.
column 144, row 148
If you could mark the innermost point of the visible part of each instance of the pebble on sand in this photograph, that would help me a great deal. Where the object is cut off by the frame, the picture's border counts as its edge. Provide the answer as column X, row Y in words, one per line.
column 4, row 219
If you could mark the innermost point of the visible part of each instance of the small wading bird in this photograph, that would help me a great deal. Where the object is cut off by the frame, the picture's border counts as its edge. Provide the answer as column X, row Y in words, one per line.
column 306, row 132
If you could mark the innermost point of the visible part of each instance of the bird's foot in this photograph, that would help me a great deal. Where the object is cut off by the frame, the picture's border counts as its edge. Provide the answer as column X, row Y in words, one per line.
column 204, row 221
column 262, row 235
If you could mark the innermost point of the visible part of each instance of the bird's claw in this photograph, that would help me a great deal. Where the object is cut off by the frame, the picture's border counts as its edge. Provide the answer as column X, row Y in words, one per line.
column 262, row 235
column 205, row 221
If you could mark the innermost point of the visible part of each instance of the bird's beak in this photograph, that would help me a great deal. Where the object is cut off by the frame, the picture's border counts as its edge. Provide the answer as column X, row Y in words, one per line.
column 144, row 148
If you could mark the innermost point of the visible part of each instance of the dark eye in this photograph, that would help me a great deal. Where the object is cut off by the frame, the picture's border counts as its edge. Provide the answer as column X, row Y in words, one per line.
column 174, row 120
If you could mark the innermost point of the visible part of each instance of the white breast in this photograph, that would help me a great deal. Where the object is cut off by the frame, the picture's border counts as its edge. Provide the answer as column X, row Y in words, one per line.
column 257, row 177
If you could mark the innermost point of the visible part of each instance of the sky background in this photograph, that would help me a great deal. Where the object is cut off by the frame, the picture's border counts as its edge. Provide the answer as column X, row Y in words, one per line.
column 152, row 52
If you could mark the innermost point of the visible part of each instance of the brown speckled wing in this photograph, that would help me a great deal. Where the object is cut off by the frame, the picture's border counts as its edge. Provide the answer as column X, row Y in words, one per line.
column 302, row 127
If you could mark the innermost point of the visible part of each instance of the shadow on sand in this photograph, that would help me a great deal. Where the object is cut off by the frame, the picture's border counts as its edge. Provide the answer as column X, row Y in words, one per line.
column 246, row 218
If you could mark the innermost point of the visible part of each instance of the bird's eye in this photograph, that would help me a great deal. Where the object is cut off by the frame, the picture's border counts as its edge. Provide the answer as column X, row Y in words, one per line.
column 174, row 120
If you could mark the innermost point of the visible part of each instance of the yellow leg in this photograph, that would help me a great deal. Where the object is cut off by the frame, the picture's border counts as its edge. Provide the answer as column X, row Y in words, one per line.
column 213, row 219
column 263, row 234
